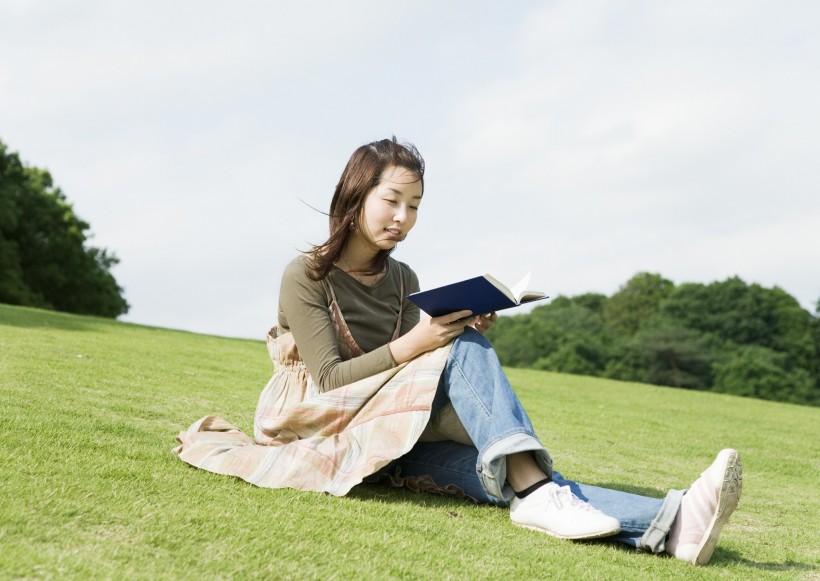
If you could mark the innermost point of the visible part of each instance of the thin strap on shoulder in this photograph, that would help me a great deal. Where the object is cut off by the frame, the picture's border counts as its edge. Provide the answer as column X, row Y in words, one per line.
column 397, row 332
column 348, row 348
column 330, row 288
column 401, row 291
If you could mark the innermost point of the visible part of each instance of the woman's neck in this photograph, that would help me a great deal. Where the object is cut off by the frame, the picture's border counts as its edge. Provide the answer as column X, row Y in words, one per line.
column 357, row 256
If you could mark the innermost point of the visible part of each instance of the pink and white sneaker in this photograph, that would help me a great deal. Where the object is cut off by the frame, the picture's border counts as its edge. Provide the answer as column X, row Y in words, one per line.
column 705, row 508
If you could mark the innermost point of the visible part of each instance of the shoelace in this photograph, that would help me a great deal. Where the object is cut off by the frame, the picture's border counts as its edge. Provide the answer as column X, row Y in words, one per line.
column 565, row 496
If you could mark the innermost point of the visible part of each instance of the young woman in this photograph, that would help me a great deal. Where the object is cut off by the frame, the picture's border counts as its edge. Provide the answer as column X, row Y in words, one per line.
column 364, row 389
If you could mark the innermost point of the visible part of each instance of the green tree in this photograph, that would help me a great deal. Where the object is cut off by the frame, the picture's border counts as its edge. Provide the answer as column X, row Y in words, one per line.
column 725, row 336
column 756, row 371
column 570, row 357
column 564, row 335
column 595, row 302
column 746, row 315
column 674, row 356
column 521, row 339
column 636, row 302
column 816, row 334
column 44, row 259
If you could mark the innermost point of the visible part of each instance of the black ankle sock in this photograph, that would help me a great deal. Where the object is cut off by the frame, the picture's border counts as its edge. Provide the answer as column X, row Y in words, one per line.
column 530, row 489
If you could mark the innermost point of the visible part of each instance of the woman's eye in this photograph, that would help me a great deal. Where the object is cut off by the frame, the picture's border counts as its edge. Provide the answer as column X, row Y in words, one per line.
column 391, row 202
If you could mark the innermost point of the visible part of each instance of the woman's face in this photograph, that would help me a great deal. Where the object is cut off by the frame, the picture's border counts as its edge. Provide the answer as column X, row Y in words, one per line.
column 390, row 209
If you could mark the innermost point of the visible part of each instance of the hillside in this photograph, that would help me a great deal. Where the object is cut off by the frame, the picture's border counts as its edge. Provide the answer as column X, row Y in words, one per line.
column 91, row 407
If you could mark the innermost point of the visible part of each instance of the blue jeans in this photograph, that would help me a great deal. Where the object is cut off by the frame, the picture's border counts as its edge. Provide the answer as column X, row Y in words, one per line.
column 498, row 426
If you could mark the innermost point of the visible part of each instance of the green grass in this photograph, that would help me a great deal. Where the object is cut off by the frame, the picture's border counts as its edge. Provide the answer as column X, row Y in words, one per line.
column 89, row 489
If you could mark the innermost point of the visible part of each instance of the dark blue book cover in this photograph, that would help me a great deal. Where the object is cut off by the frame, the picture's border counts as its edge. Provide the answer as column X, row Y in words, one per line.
column 478, row 295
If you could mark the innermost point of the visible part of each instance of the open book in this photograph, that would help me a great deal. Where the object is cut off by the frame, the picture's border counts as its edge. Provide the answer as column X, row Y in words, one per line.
column 482, row 294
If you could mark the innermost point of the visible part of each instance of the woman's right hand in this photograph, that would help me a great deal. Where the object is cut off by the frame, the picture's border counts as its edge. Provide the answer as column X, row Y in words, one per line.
column 430, row 334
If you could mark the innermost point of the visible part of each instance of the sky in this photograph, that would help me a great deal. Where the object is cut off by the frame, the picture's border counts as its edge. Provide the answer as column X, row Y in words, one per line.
column 584, row 141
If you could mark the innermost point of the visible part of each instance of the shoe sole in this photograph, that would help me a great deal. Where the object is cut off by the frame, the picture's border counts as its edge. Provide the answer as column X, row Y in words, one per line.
column 570, row 537
column 727, row 502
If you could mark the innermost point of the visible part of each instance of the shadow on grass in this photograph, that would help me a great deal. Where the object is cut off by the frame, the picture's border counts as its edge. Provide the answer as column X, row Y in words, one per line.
column 723, row 557
column 384, row 492
column 720, row 558
column 730, row 556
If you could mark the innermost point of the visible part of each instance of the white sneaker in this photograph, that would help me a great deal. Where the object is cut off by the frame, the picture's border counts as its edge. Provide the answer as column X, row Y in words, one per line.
column 705, row 508
column 555, row 510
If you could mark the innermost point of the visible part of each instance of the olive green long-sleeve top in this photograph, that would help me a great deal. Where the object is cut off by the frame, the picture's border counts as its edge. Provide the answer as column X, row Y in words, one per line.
column 371, row 314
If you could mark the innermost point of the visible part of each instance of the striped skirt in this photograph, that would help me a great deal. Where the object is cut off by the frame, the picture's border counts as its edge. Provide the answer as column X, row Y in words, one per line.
column 324, row 442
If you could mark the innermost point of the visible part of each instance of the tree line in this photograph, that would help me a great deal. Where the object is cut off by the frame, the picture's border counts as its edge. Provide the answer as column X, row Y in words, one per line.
column 727, row 336
column 45, row 259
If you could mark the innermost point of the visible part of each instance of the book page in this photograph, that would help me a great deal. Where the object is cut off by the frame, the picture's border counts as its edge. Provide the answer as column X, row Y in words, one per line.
column 501, row 287
column 521, row 287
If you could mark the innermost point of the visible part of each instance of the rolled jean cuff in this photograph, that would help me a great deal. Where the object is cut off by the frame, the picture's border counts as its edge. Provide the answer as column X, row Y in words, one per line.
column 654, row 539
column 492, row 463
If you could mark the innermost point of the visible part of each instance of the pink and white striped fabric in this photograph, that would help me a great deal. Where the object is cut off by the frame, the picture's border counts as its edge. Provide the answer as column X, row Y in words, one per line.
column 315, row 441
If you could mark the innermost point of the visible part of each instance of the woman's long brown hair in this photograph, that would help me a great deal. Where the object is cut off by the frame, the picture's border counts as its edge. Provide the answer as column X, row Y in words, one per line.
column 361, row 174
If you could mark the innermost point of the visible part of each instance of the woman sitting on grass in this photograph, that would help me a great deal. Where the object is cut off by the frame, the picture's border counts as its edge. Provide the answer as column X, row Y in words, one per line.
column 365, row 390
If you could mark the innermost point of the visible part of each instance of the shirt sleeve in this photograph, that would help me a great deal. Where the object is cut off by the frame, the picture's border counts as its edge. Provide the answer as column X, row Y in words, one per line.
column 303, row 304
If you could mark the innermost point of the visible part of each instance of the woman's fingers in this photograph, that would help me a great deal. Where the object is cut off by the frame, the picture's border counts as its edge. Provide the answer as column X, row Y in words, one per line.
column 485, row 321
column 452, row 317
column 445, row 328
column 488, row 320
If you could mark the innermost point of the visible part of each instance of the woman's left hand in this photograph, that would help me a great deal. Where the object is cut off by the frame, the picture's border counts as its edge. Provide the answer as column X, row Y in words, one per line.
column 484, row 322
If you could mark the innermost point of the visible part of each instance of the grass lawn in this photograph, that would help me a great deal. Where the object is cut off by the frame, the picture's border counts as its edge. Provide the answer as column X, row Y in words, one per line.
column 89, row 488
